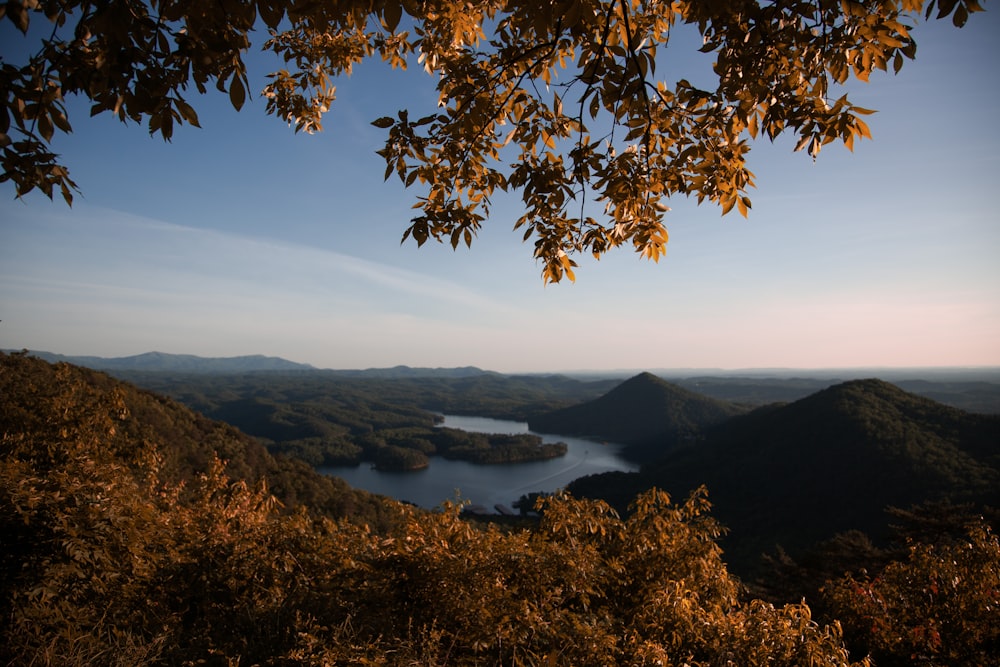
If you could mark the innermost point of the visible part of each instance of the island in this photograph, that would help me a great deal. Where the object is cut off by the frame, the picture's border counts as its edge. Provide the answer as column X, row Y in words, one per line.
column 407, row 449
column 495, row 448
column 399, row 459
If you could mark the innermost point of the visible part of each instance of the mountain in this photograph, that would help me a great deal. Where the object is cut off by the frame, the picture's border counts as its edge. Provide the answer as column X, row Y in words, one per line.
column 126, row 541
column 798, row 473
column 179, row 363
column 645, row 412
column 252, row 363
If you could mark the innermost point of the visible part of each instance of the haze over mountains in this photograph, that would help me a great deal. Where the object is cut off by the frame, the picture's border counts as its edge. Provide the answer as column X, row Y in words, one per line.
column 253, row 363
column 184, row 363
column 704, row 377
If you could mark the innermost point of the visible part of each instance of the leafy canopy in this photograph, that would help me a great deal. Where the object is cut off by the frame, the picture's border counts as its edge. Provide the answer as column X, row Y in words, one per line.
column 558, row 100
column 937, row 607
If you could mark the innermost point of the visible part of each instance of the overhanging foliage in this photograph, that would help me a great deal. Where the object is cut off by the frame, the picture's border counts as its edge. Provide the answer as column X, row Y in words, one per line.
column 558, row 101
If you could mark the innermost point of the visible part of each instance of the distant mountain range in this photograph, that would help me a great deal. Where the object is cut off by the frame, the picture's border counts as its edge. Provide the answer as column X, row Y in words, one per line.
column 972, row 389
column 403, row 372
column 178, row 363
column 189, row 363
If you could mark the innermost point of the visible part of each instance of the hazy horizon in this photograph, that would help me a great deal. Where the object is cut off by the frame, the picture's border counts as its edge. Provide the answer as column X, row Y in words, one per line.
column 814, row 372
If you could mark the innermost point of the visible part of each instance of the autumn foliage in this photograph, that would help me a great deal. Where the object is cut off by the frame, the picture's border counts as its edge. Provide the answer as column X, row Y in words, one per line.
column 105, row 563
column 559, row 102
column 941, row 606
column 109, row 559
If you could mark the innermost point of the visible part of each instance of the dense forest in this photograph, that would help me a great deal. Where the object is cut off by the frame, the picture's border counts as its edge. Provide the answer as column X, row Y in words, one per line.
column 136, row 531
column 387, row 419
column 795, row 474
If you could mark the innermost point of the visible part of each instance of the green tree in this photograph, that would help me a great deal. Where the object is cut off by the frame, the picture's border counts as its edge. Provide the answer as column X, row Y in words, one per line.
column 558, row 101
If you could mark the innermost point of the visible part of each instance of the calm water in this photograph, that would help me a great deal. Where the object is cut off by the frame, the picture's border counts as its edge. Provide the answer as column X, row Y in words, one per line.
column 487, row 485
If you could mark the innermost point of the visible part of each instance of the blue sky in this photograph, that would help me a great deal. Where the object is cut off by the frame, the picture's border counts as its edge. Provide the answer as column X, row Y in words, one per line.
column 244, row 238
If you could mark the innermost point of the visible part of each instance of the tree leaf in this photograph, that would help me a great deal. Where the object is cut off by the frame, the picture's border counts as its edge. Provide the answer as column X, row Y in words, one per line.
column 271, row 12
column 237, row 92
column 391, row 15
column 186, row 112
column 960, row 16
column 18, row 15
column 743, row 204
column 45, row 127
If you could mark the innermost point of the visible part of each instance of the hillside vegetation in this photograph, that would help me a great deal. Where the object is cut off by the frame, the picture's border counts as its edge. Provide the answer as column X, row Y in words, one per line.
column 385, row 418
column 795, row 474
column 127, row 540
column 186, row 444
column 119, row 549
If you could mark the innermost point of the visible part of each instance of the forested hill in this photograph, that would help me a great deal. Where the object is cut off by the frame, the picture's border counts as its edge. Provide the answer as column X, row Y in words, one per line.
column 645, row 412
column 124, row 540
column 116, row 547
column 36, row 395
column 798, row 473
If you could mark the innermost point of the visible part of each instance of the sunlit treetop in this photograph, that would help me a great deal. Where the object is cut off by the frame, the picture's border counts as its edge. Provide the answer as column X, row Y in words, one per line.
column 558, row 101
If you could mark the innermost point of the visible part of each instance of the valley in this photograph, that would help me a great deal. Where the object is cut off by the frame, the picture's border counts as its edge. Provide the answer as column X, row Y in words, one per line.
column 831, row 456
column 117, row 495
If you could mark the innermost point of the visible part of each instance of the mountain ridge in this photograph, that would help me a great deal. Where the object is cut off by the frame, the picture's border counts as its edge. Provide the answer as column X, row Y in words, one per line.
column 160, row 362
column 402, row 371
column 975, row 389
column 186, row 363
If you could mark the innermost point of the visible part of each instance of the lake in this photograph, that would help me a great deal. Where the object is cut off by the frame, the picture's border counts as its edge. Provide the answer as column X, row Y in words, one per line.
column 487, row 485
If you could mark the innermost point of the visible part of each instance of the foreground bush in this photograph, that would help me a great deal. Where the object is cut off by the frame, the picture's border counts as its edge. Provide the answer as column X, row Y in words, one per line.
column 939, row 607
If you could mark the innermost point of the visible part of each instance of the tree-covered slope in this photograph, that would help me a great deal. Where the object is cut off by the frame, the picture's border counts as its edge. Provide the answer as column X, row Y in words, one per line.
column 356, row 400
column 833, row 461
column 118, row 547
column 34, row 394
column 332, row 418
column 646, row 412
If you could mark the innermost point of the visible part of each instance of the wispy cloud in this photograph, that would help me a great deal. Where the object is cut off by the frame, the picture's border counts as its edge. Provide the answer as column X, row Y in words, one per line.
column 110, row 282
column 123, row 254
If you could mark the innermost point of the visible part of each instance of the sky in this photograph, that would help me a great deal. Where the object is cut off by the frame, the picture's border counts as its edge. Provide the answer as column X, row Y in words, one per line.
column 245, row 238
